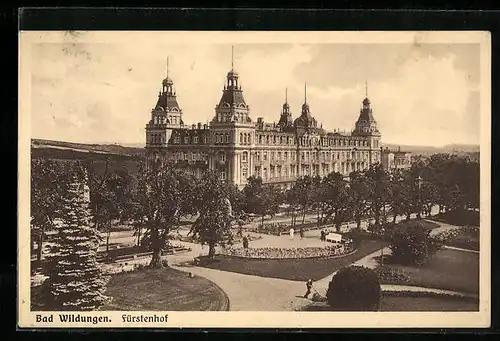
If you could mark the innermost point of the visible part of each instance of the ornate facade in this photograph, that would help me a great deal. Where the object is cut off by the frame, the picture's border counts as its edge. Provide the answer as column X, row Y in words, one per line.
column 237, row 147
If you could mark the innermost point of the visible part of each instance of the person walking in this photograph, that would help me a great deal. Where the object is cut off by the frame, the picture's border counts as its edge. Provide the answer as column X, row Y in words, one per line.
column 292, row 231
column 309, row 285
column 301, row 232
column 245, row 242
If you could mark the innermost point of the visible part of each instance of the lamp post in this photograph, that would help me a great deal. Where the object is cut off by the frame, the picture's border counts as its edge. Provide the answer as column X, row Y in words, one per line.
column 419, row 196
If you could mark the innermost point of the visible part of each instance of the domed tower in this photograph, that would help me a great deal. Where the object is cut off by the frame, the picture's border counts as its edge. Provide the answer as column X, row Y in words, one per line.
column 366, row 126
column 233, row 131
column 165, row 116
column 286, row 116
column 306, row 122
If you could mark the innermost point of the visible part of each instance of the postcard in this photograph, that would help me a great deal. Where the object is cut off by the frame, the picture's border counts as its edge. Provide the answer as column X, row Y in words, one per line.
column 254, row 179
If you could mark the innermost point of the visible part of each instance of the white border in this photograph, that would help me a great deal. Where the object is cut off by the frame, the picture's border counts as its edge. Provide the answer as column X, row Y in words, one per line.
column 262, row 319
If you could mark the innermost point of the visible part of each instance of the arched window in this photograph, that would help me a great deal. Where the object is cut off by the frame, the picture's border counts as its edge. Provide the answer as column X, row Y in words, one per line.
column 244, row 156
column 241, row 137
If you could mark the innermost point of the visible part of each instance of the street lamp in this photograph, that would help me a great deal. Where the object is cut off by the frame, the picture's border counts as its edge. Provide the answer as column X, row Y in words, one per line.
column 382, row 231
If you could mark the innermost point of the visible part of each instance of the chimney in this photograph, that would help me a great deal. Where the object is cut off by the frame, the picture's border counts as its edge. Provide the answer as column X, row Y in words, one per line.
column 199, row 125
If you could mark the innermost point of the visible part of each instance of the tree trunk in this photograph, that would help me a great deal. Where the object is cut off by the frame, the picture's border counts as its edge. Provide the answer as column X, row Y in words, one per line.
column 139, row 232
column 108, row 234
column 394, row 218
column 156, row 248
column 317, row 215
column 358, row 222
column 40, row 244
column 263, row 220
column 408, row 216
column 303, row 215
column 211, row 250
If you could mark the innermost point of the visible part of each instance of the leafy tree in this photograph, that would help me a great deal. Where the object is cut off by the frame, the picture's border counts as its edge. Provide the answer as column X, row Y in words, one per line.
column 75, row 281
column 213, row 226
column 354, row 288
column 379, row 191
column 336, row 198
column 359, row 193
column 303, row 193
column 260, row 199
column 164, row 195
column 110, row 200
column 412, row 244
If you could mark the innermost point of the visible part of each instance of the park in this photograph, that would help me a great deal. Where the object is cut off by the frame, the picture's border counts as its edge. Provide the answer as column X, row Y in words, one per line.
column 161, row 240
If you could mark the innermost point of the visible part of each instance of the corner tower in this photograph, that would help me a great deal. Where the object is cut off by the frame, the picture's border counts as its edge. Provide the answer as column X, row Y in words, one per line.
column 367, row 127
column 165, row 116
column 233, row 131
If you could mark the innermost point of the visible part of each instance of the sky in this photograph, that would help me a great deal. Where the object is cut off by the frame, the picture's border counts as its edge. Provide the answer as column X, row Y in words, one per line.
column 103, row 92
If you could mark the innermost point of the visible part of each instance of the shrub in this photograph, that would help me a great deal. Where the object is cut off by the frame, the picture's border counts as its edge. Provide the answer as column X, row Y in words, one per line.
column 390, row 275
column 354, row 288
column 412, row 245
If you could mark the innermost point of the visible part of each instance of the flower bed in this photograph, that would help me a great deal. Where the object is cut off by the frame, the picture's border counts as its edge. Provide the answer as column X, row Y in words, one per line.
column 289, row 253
column 463, row 237
column 279, row 229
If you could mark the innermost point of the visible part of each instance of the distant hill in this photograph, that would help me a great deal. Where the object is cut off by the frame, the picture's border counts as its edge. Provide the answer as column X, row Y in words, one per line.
column 62, row 148
column 426, row 150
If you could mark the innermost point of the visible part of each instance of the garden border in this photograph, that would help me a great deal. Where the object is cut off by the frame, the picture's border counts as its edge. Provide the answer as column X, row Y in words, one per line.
column 430, row 294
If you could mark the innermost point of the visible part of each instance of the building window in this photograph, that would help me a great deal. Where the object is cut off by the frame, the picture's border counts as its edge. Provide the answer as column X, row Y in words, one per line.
column 279, row 156
column 195, row 139
column 205, row 140
column 260, row 139
column 241, row 137
column 244, row 156
column 226, row 138
column 265, row 156
column 193, row 156
column 222, row 157
column 244, row 173
column 223, row 175
column 286, row 156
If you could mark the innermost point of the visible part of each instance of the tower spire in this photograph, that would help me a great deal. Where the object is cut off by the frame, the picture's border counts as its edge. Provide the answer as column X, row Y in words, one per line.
column 305, row 92
column 286, row 95
column 167, row 66
column 366, row 89
column 232, row 58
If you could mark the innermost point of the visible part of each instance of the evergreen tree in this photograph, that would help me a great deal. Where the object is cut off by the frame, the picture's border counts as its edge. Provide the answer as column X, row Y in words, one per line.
column 75, row 281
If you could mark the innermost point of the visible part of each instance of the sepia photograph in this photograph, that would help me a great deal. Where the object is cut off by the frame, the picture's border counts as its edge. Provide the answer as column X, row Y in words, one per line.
column 254, row 179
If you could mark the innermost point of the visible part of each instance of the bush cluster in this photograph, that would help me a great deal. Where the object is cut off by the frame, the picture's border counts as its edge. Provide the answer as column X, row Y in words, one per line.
column 354, row 288
column 412, row 244
column 390, row 275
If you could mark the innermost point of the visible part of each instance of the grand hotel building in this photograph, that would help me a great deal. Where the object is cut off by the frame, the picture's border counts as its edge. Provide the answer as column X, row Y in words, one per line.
column 238, row 147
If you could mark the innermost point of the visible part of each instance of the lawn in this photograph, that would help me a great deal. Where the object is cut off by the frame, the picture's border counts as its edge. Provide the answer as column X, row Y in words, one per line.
column 396, row 303
column 164, row 289
column 157, row 289
column 292, row 269
column 470, row 218
column 448, row 269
